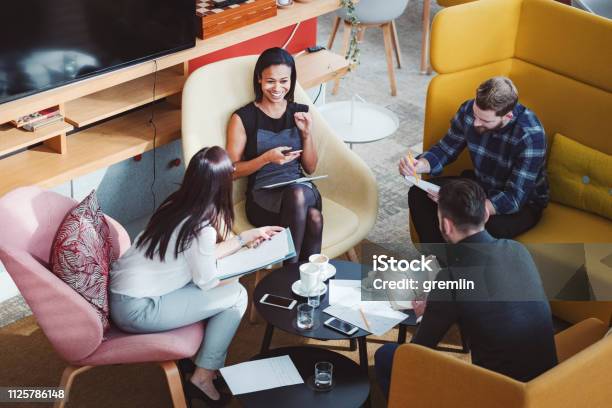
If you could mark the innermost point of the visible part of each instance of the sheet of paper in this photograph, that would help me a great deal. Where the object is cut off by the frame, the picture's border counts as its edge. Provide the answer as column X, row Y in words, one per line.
column 249, row 259
column 344, row 291
column 381, row 317
column 261, row 375
column 422, row 184
column 348, row 293
column 299, row 180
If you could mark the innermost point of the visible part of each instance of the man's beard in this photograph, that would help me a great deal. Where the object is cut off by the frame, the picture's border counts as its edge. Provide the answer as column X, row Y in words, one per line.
column 482, row 129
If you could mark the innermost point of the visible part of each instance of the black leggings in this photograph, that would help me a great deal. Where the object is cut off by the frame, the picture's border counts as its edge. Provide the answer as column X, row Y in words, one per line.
column 300, row 211
column 424, row 215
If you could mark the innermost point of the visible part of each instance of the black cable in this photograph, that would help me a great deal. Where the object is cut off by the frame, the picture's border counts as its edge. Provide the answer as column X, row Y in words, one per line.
column 319, row 94
column 152, row 123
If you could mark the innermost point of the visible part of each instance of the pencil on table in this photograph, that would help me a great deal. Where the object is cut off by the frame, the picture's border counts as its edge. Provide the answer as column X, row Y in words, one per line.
column 364, row 318
column 413, row 162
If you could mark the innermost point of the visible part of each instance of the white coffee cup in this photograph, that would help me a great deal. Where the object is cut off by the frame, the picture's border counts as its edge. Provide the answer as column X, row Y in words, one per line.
column 283, row 2
column 320, row 260
column 309, row 277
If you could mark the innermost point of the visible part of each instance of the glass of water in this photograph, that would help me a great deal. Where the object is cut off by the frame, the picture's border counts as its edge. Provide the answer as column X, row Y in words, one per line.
column 314, row 296
column 324, row 372
column 305, row 316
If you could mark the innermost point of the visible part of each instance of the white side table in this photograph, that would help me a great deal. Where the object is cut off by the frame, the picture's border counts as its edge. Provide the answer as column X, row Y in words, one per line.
column 359, row 121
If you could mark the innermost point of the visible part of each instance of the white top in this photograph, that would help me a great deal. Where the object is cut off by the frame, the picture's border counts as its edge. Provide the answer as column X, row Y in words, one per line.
column 137, row 276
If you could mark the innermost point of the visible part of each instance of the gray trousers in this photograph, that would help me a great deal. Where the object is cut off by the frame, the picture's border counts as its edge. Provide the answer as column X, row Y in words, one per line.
column 222, row 307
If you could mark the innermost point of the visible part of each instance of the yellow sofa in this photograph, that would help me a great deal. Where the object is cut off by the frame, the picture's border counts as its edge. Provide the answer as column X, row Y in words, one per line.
column 559, row 58
column 424, row 378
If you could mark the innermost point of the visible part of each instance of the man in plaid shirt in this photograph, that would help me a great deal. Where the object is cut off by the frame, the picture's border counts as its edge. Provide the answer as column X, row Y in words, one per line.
column 507, row 145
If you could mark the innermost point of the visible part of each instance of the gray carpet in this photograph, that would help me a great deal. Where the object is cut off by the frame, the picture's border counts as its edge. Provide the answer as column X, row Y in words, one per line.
column 371, row 82
column 12, row 310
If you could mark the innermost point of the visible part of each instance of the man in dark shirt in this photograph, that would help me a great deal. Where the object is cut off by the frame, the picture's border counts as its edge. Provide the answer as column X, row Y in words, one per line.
column 506, row 317
column 507, row 145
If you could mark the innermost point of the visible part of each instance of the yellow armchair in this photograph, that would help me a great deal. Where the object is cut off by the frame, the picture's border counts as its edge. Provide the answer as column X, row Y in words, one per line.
column 350, row 195
column 427, row 378
column 559, row 59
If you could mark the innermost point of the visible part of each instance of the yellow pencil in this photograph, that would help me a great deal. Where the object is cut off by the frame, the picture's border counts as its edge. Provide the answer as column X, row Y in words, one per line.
column 364, row 318
column 413, row 162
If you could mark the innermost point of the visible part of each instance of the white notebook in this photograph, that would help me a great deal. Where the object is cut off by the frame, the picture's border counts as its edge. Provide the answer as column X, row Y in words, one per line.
column 422, row 184
column 277, row 249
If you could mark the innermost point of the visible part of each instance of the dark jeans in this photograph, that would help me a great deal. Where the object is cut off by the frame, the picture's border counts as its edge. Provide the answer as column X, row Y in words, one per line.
column 383, row 362
column 424, row 215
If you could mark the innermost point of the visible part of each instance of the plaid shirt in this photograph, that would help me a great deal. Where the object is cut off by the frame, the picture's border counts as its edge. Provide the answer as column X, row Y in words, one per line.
column 509, row 163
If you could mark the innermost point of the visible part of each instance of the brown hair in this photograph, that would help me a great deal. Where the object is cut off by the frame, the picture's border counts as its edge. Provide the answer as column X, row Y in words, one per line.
column 204, row 198
column 463, row 202
column 498, row 94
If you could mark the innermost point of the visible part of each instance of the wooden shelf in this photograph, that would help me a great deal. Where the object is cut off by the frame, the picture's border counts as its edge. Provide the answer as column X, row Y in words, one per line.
column 121, row 98
column 285, row 17
column 319, row 67
column 91, row 149
column 88, row 101
column 13, row 139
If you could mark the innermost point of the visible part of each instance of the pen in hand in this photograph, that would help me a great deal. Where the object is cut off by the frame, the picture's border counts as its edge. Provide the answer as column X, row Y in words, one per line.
column 414, row 164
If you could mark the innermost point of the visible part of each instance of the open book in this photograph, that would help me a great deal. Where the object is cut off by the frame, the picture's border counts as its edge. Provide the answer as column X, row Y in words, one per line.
column 298, row 180
column 277, row 249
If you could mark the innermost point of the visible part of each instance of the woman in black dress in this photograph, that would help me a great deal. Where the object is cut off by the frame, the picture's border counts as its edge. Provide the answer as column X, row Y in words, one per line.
column 270, row 141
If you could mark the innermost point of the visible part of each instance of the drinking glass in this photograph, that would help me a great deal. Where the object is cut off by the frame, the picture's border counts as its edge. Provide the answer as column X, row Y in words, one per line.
column 324, row 371
column 314, row 294
column 305, row 316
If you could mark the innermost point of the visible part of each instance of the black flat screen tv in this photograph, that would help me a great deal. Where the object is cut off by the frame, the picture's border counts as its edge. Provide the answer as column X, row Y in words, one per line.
column 45, row 44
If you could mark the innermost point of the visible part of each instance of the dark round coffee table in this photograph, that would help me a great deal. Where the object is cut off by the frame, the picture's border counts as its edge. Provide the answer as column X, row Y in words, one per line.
column 351, row 385
column 279, row 282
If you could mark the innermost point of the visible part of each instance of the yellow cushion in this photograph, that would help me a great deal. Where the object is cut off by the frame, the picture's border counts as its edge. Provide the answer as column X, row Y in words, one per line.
column 339, row 222
column 580, row 177
column 563, row 224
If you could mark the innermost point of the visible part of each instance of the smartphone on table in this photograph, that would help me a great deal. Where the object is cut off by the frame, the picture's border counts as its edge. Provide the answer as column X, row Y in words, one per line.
column 341, row 326
column 278, row 301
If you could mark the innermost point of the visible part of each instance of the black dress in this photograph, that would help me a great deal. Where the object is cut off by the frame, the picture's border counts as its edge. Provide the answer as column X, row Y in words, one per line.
column 264, row 133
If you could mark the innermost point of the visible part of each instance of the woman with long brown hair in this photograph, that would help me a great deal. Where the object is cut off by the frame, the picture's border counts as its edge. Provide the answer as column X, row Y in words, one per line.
column 168, row 278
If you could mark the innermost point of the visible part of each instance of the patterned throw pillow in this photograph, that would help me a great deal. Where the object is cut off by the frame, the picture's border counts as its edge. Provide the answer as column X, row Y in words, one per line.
column 82, row 253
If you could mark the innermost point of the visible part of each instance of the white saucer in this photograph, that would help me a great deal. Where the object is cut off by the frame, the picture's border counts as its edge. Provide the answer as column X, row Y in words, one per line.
column 297, row 288
column 330, row 272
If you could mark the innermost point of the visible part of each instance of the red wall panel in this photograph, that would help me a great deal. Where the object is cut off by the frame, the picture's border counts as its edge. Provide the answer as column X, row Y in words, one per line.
column 305, row 36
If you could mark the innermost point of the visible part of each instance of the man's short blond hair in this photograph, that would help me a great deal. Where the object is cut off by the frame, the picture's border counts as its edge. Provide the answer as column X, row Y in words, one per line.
column 498, row 94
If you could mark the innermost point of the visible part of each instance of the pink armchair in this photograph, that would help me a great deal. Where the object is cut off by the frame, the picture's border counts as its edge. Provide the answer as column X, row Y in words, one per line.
column 29, row 219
